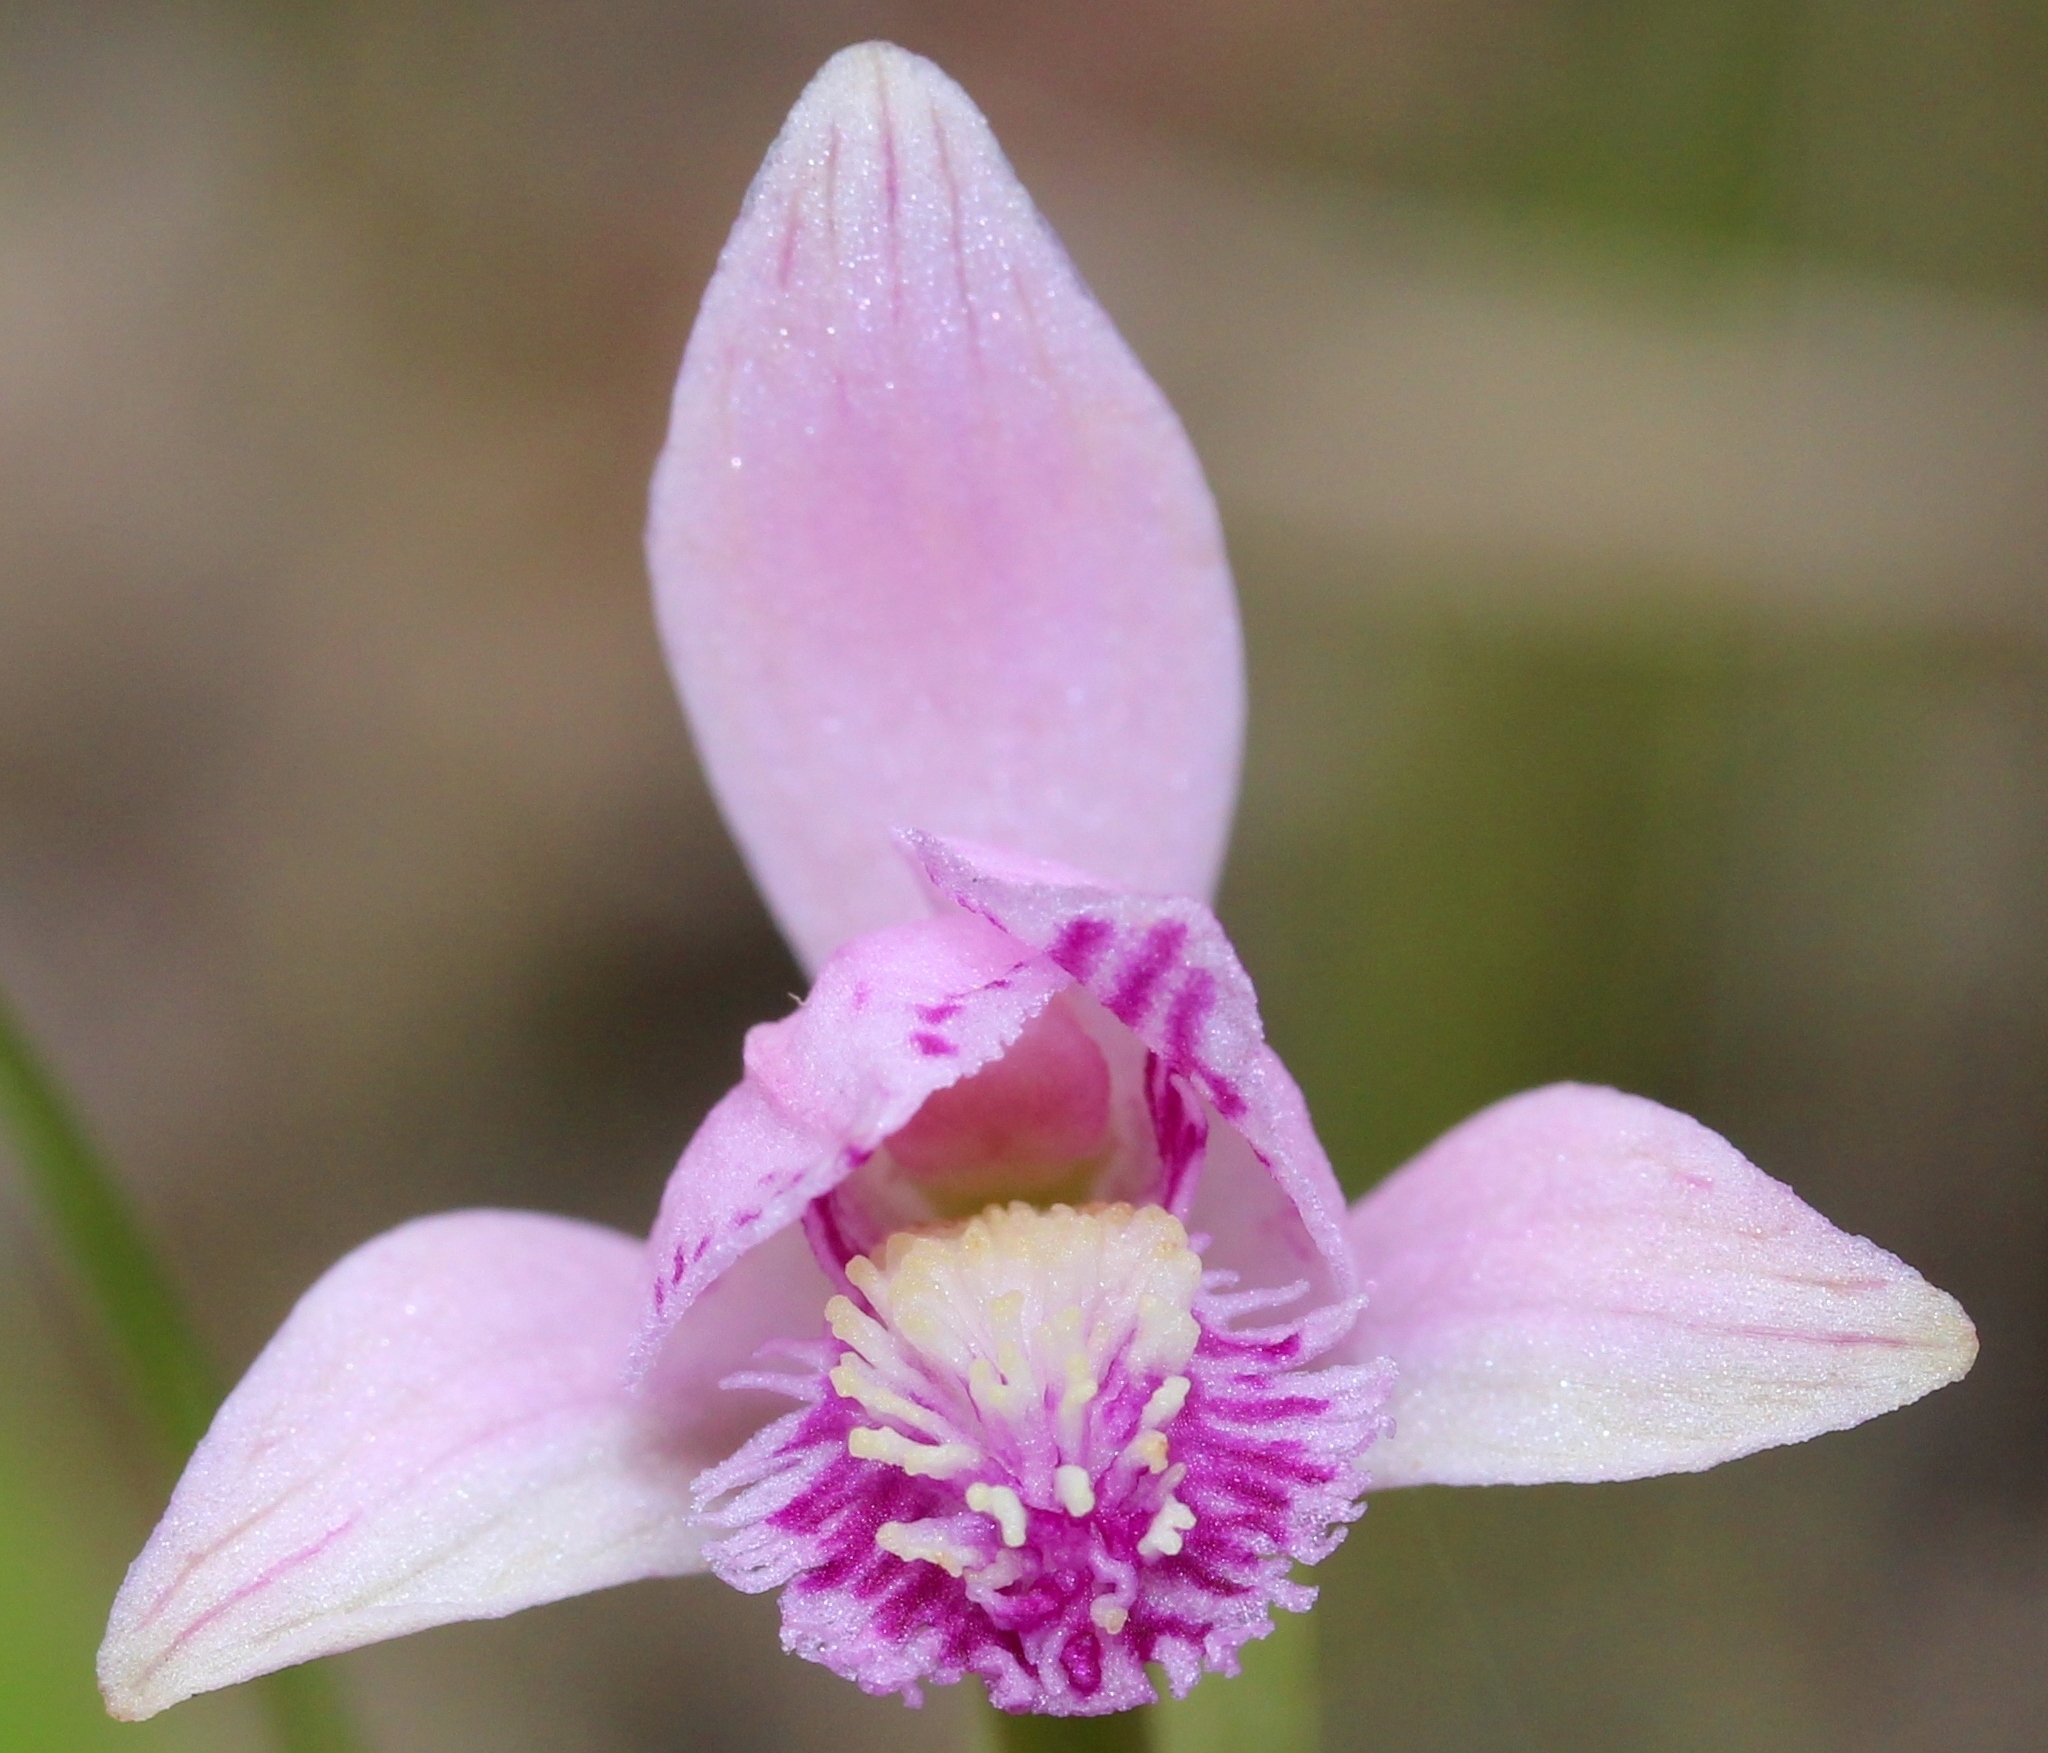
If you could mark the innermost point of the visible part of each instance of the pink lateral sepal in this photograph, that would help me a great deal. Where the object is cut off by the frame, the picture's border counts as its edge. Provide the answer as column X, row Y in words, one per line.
column 1581, row 1285
column 1161, row 965
column 927, row 544
column 439, row 1431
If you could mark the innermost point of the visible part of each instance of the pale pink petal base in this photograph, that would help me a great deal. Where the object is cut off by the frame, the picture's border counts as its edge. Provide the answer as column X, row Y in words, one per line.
column 929, row 548
column 1581, row 1285
column 439, row 1431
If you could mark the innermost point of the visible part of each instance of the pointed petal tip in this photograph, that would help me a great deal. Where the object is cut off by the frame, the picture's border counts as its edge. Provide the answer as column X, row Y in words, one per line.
column 884, row 226
column 1945, row 1340
column 125, row 1703
column 873, row 120
column 1580, row 1285
column 133, row 1692
column 865, row 79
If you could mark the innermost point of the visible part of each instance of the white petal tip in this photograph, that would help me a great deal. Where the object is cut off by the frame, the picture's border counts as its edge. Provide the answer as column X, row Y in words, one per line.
column 1938, row 1350
column 127, row 1704
column 133, row 1692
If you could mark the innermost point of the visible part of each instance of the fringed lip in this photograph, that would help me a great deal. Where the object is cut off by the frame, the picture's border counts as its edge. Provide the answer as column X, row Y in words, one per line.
column 929, row 1516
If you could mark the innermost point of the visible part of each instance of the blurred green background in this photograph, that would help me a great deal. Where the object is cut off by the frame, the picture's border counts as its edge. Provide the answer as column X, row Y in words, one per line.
column 1631, row 424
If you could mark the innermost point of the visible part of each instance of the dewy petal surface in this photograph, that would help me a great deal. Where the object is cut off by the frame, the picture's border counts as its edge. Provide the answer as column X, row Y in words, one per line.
column 929, row 548
column 1577, row 1284
column 439, row 1431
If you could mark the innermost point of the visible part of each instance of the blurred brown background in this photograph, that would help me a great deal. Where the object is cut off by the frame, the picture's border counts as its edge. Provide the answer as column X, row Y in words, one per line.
column 1631, row 423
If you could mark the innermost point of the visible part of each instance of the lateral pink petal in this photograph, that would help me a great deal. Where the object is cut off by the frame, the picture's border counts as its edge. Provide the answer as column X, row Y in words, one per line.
column 894, row 1016
column 1577, row 1284
column 929, row 548
column 439, row 1431
column 1162, row 967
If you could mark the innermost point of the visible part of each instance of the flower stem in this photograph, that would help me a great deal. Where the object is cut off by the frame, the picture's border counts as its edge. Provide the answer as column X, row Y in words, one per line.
column 96, row 1228
column 306, row 1711
column 1128, row 1731
column 173, row 1380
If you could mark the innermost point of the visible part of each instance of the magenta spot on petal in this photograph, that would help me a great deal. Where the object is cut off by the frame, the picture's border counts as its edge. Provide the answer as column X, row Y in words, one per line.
column 1191, row 1006
column 1080, row 944
column 685, row 1258
column 939, row 1013
column 1082, row 1659
column 1156, row 955
column 933, row 1046
column 1229, row 1102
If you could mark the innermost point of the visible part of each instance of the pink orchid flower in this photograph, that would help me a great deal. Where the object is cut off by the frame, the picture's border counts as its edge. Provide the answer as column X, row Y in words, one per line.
column 1018, row 1208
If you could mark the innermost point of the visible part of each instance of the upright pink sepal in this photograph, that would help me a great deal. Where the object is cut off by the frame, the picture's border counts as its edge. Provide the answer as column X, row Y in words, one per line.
column 895, row 1015
column 1162, row 967
column 929, row 548
column 440, row 1431
column 1581, row 1285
